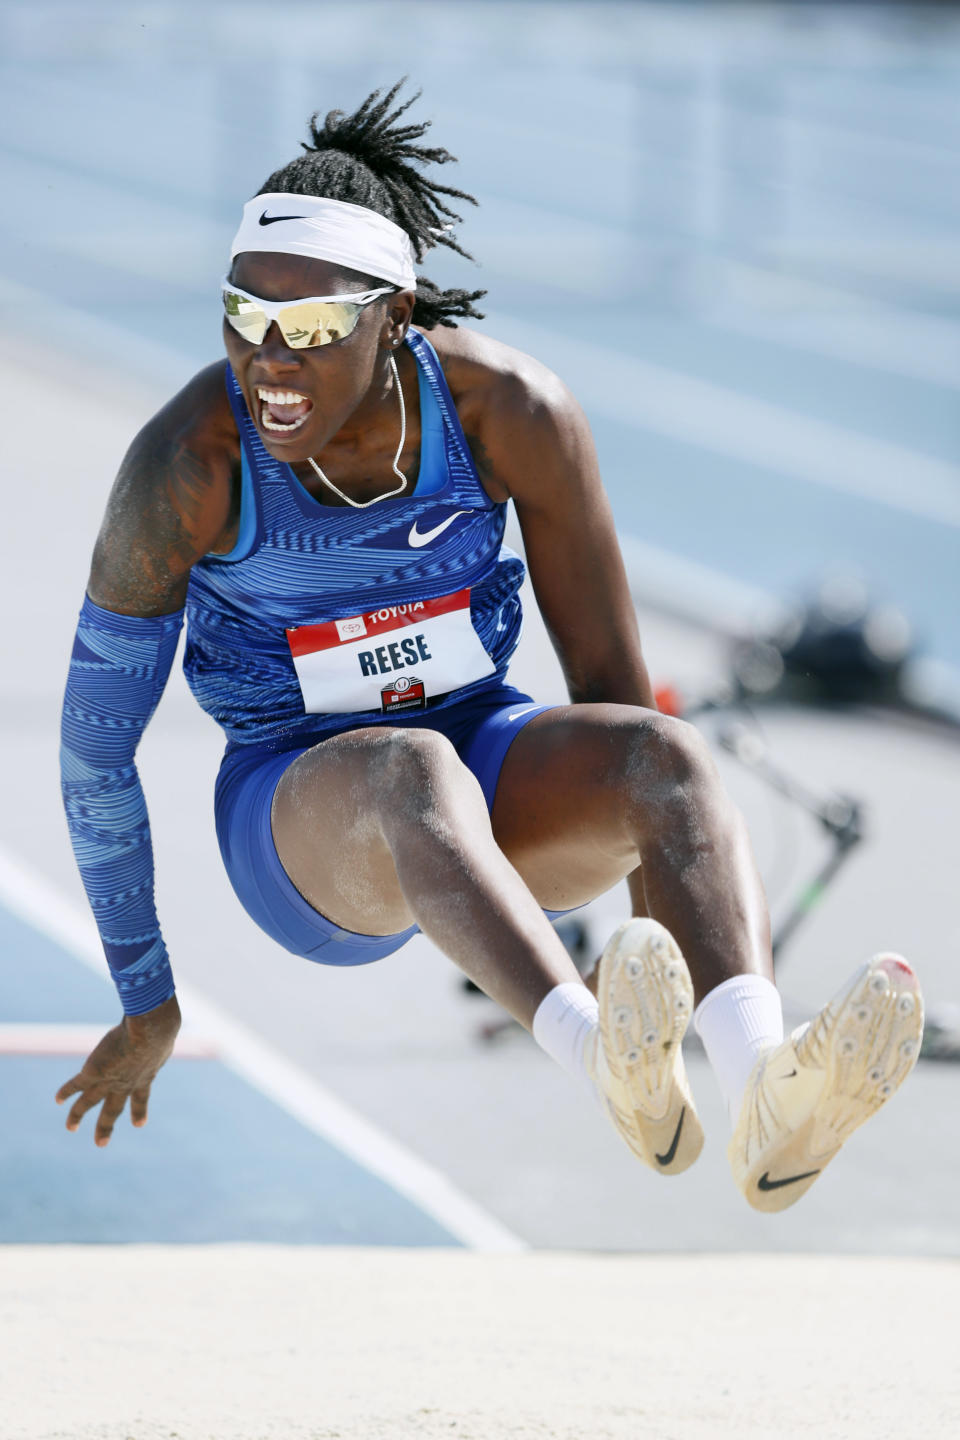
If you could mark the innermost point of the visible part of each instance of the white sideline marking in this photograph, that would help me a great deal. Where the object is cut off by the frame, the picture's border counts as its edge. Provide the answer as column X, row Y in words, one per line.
column 759, row 432
column 30, row 1038
column 914, row 347
column 34, row 899
column 156, row 363
column 667, row 581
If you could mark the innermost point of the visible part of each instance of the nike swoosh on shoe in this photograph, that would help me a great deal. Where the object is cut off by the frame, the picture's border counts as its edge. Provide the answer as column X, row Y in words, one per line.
column 806, row 1096
column 668, row 1156
column 646, row 1000
column 765, row 1183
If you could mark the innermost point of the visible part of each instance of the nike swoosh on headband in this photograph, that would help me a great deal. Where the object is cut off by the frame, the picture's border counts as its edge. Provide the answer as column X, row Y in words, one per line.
column 417, row 540
column 266, row 219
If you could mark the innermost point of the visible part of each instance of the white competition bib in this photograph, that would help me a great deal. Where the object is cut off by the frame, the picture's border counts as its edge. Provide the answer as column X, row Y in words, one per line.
column 396, row 658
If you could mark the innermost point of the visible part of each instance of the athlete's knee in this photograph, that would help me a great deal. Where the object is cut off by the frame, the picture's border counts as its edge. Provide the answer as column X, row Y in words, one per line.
column 664, row 754
column 674, row 794
column 415, row 768
column 679, row 800
column 416, row 752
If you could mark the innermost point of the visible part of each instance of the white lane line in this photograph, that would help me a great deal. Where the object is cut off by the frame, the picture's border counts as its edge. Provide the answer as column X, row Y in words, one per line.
column 890, row 341
column 728, row 422
column 796, row 313
column 32, row 897
column 667, row 581
column 780, row 307
column 36, row 314
column 31, row 1038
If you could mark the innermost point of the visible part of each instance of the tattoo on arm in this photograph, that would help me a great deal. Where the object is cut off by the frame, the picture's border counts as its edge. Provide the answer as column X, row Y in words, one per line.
column 167, row 509
column 188, row 486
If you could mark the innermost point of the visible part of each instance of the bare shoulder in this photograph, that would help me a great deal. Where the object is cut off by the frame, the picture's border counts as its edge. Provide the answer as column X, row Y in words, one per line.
column 483, row 371
column 171, row 502
column 509, row 403
column 199, row 415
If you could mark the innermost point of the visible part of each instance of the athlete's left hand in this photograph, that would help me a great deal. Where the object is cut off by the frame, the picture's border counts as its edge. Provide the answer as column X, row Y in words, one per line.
column 123, row 1066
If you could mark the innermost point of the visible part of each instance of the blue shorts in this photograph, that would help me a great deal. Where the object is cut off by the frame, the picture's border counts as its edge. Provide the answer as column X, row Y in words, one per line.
column 482, row 730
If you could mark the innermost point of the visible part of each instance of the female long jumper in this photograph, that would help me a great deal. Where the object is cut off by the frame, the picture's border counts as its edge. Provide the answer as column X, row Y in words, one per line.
column 327, row 510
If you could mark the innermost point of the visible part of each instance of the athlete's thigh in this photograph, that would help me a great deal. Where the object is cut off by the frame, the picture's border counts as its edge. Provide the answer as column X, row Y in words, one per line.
column 561, row 813
column 327, row 833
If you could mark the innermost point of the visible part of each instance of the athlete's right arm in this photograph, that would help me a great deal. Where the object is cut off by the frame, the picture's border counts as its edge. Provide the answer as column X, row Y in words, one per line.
column 170, row 505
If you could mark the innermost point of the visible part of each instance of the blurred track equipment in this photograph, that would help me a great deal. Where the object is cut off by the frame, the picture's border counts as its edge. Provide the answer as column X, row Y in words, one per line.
column 839, row 816
column 840, row 646
column 941, row 1032
column 808, row 1095
column 646, row 1000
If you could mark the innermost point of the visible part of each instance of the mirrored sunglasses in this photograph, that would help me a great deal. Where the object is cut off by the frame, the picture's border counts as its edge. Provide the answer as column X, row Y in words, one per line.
column 319, row 320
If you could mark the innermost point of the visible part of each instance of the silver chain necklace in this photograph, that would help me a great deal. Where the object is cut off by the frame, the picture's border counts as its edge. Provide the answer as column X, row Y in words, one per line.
column 363, row 504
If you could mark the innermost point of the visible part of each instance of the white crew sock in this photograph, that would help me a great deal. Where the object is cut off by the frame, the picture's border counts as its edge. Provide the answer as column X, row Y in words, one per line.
column 736, row 1021
column 565, row 1017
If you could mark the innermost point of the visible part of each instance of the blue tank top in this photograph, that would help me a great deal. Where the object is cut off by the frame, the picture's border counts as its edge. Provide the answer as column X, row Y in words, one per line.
column 300, row 563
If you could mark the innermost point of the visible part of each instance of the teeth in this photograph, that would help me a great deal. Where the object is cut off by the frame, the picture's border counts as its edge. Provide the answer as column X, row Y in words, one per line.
column 280, row 397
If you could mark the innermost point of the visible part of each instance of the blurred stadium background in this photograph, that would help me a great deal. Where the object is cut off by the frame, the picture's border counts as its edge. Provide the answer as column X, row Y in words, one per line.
column 733, row 230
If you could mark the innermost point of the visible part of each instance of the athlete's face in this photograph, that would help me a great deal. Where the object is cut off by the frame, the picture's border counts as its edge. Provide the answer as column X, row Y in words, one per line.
column 335, row 382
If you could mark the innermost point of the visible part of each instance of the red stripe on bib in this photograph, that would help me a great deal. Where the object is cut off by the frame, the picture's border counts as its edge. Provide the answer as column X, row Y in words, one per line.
column 308, row 639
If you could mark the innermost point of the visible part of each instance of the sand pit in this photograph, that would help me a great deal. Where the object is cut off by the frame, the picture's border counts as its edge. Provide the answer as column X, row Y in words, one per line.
column 272, row 1343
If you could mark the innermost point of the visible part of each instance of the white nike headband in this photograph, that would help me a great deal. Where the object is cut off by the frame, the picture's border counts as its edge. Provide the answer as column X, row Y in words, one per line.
column 343, row 234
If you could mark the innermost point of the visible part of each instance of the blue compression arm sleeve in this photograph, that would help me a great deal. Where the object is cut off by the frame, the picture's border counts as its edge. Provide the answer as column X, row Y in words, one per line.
column 118, row 669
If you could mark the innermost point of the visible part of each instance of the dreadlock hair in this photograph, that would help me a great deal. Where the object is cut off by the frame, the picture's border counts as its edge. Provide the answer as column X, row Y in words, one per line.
column 368, row 159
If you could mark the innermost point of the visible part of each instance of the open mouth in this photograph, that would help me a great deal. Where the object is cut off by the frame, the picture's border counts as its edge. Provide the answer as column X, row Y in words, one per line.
column 282, row 411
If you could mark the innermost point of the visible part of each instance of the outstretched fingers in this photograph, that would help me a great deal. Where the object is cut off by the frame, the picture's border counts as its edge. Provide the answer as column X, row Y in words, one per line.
column 113, row 1103
column 87, row 1101
column 90, row 1095
column 109, row 1115
column 138, row 1105
column 70, row 1087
